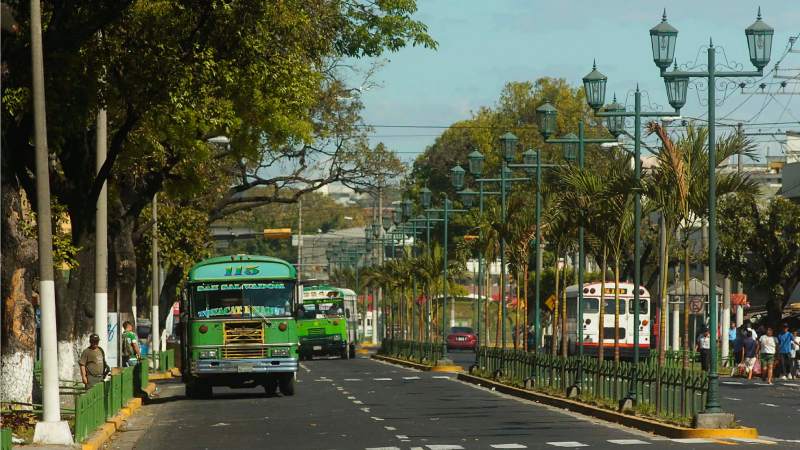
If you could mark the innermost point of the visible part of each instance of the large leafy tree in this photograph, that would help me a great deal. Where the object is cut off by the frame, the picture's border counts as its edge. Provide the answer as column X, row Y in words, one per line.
column 172, row 74
column 760, row 244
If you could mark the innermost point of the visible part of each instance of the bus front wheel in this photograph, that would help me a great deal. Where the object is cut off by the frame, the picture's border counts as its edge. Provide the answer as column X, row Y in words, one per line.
column 271, row 385
column 286, row 384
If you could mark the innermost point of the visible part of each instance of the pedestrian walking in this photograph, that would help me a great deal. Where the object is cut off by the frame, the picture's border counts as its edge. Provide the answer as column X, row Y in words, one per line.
column 131, row 354
column 733, row 337
column 785, row 340
column 704, row 348
column 768, row 346
column 93, row 363
column 796, row 348
column 749, row 354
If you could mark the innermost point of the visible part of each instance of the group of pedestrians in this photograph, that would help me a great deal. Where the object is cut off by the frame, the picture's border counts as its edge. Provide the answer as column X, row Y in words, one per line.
column 765, row 353
column 93, row 365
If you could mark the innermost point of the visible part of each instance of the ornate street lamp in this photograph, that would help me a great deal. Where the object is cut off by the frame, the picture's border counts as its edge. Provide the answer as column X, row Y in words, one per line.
column 425, row 197
column 467, row 197
column 407, row 205
column 546, row 119
column 662, row 39
column 529, row 158
column 594, row 85
column 476, row 163
column 571, row 148
column 615, row 124
column 457, row 177
column 508, row 144
column 759, row 42
column 676, row 90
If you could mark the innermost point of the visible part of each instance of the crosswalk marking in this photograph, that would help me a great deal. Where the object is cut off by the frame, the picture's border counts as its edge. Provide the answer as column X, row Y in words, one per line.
column 733, row 398
column 377, row 419
column 753, row 441
column 381, row 379
column 508, row 446
column 390, row 428
column 772, row 405
column 567, row 444
column 444, row 447
column 382, row 448
column 411, row 378
column 358, row 402
column 693, row 441
column 441, row 377
column 352, row 379
column 628, row 442
column 791, row 384
column 351, row 398
column 401, row 436
column 733, row 382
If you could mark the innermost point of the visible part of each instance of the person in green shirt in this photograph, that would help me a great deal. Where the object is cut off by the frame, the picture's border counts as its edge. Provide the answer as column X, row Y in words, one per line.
column 130, row 346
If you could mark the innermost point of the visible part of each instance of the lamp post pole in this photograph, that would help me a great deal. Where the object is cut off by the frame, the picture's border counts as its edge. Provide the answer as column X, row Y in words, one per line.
column 759, row 42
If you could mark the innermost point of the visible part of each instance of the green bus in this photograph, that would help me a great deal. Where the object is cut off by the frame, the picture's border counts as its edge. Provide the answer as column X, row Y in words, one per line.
column 327, row 322
column 238, row 327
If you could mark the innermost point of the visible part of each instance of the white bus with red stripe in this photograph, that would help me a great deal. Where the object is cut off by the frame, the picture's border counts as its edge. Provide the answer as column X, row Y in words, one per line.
column 591, row 319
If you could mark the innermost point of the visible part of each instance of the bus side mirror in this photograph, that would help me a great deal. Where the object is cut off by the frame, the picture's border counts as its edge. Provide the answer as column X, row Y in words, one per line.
column 347, row 313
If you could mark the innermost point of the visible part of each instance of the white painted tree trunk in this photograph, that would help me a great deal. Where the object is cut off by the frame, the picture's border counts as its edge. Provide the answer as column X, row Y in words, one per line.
column 16, row 378
column 69, row 352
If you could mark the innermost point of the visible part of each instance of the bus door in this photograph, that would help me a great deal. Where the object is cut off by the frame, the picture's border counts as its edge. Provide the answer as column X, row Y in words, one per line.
column 644, row 320
column 608, row 320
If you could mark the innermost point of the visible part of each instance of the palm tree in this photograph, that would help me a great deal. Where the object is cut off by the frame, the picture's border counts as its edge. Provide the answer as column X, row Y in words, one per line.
column 678, row 186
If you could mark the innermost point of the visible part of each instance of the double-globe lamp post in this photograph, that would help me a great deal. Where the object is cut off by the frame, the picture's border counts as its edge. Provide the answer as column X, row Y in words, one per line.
column 663, row 38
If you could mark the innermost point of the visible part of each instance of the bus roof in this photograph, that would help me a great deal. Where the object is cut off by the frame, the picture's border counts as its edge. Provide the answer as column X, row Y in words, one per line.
column 626, row 289
column 242, row 267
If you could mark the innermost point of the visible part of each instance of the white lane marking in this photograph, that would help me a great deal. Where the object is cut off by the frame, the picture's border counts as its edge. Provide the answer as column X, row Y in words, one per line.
column 772, row 405
column 352, row 379
column 345, row 393
column 401, row 436
column 791, row 384
column 411, row 378
column 508, row 446
column 221, row 424
column 444, row 447
column 733, row 398
column 774, row 439
column 762, row 384
column 353, row 398
column 305, row 368
column 441, row 377
column 733, row 382
column 390, row 428
column 693, row 441
column 628, row 442
column 417, row 448
column 381, row 379
column 567, row 444
column 382, row 448
column 358, row 402
column 377, row 419
column 366, row 410
column 752, row 441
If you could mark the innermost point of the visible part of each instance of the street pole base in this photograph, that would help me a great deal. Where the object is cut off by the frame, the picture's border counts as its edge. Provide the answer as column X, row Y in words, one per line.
column 714, row 420
column 573, row 391
column 626, row 405
column 55, row 433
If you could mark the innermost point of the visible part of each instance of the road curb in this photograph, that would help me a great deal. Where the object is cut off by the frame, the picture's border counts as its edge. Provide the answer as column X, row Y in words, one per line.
column 451, row 368
column 156, row 376
column 150, row 389
column 640, row 423
column 104, row 433
column 403, row 362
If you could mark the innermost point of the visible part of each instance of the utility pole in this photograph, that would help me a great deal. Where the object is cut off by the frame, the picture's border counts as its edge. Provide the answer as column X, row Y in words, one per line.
column 101, row 240
column 155, row 348
column 299, row 247
column 739, row 156
column 378, row 300
column 51, row 430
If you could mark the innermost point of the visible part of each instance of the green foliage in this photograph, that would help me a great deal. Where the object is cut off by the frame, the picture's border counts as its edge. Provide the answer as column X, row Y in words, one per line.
column 760, row 244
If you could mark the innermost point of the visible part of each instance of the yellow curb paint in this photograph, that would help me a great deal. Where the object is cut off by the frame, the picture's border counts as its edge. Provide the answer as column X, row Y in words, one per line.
column 402, row 362
column 175, row 372
column 160, row 376
column 106, row 430
column 660, row 428
column 151, row 387
column 447, row 369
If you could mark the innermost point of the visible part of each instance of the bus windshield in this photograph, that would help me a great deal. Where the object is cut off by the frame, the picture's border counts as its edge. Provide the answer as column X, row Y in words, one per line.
column 242, row 300
column 329, row 307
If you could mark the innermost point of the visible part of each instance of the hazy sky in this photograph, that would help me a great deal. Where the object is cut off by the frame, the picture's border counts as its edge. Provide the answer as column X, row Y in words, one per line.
column 485, row 43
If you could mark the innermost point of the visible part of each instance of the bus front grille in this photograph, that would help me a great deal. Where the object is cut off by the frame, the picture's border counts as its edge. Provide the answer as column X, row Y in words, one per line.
column 244, row 352
column 316, row 332
column 250, row 332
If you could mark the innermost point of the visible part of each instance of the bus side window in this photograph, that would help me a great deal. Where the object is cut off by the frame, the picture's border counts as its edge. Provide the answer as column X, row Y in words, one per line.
column 644, row 303
column 347, row 312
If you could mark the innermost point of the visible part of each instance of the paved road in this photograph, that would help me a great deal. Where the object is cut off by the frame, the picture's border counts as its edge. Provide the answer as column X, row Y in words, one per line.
column 774, row 410
column 366, row 404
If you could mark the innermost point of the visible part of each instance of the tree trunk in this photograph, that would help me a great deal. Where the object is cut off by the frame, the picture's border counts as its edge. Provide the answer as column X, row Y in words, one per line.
column 17, row 273
column 686, row 346
column 527, row 310
column 601, row 320
column 554, row 322
column 616, row 310
column 662, row 322
column 564, row 334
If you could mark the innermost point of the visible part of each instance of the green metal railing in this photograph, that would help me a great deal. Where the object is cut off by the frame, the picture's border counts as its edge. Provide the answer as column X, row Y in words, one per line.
column 140, row 373
column 674, row 359
column 667, row 392
column 5, row 439
column 90, row 411
column 165, row 360
column 421, row 352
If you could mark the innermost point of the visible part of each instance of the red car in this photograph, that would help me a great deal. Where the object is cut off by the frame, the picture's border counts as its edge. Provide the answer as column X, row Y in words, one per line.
column 461, row 338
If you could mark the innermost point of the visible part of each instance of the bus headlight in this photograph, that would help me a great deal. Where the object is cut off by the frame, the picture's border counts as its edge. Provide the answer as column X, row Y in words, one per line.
column 337, row 337
column 280, row 352
column 207, row 354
